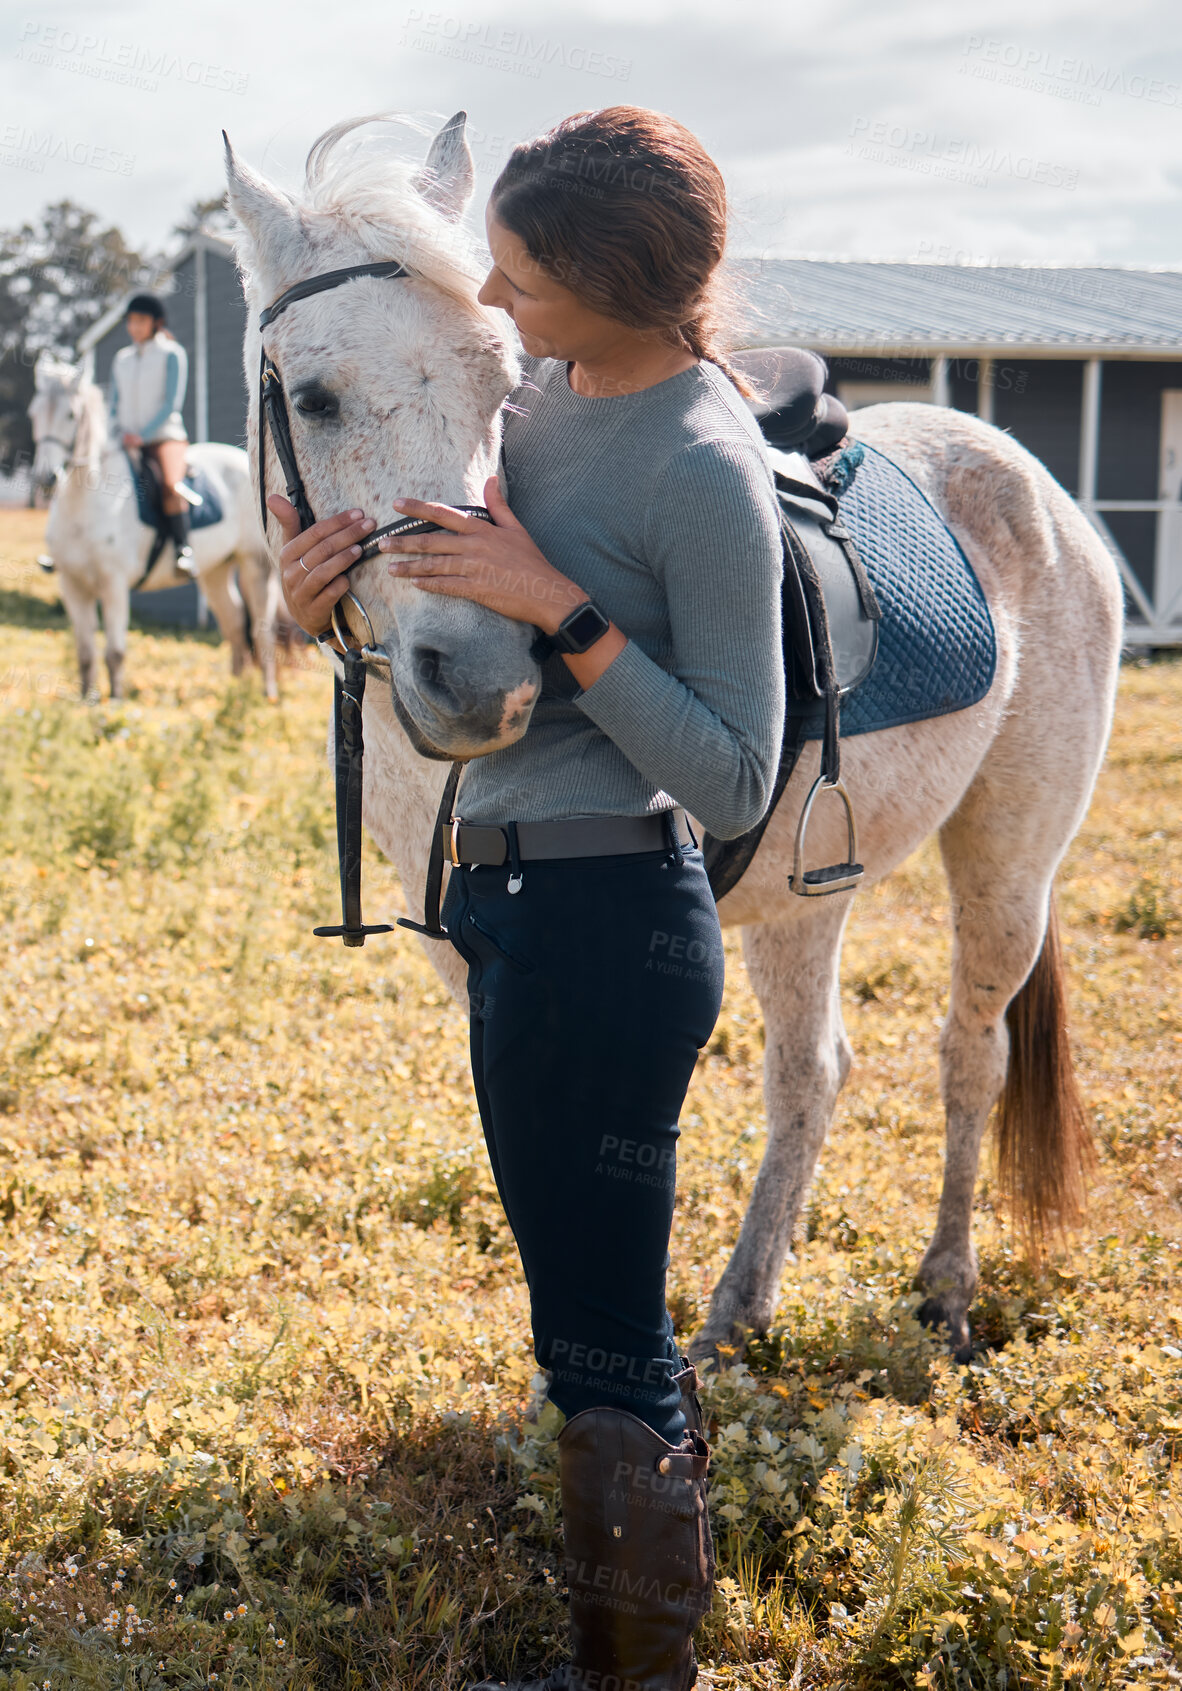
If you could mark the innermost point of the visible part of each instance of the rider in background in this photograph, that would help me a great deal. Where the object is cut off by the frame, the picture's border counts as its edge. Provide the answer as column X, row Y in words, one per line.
column 147, row 391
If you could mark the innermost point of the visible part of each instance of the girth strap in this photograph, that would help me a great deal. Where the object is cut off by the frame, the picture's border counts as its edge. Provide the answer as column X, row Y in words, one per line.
column 727, row 861
column 159, row 542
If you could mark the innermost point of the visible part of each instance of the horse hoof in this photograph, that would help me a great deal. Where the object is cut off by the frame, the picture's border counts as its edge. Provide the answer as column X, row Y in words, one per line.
column 934, row 1313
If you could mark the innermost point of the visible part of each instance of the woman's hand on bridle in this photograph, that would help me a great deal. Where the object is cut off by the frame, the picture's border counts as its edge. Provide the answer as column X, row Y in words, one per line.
column 496, row 564
column 313, row 561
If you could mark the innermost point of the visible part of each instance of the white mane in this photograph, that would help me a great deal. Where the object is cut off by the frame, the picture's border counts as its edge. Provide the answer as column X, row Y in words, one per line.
column 91, row 440
column 362, row 203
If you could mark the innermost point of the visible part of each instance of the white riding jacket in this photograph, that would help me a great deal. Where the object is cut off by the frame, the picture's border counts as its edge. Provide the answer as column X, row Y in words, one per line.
column 148, row 389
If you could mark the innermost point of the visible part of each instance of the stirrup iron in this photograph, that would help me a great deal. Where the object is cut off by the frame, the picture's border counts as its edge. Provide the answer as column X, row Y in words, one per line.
column 838, row 877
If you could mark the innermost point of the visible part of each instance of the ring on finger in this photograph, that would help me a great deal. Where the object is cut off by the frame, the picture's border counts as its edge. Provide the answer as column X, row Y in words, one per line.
column 303, row 566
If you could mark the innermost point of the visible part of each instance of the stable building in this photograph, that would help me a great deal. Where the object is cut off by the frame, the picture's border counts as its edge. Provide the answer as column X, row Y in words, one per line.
column 1082, row 365
column 207, row 314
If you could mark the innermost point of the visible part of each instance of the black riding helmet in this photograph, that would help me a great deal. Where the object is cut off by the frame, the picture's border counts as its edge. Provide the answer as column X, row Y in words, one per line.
column 151, row 305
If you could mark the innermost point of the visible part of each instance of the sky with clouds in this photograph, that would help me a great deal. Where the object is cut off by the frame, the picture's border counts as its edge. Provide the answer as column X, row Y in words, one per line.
column 1019, row 130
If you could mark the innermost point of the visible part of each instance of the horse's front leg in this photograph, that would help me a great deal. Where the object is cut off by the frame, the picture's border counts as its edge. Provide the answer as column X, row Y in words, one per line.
column 116, row 598
column 794, row 970
column 82, row 610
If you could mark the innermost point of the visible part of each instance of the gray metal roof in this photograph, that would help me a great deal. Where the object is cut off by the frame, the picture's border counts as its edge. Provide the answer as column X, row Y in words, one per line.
column 838, row 305
column 113, row 316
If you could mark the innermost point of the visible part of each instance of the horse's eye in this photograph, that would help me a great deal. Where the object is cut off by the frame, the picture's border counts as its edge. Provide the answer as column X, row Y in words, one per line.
column 317, row 402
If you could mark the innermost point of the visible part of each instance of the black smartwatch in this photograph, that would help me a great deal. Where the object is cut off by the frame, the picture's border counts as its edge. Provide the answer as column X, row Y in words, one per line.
column 581, row 629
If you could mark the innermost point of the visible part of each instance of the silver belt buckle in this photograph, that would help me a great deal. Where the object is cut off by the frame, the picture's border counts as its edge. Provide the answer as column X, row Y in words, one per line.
column 454, row 843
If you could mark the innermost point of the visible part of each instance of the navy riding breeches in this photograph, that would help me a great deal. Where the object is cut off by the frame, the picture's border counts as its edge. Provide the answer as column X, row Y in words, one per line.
column 591, row 991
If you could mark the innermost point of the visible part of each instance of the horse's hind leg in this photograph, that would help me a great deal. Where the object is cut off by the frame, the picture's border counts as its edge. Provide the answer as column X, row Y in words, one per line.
column 229, row 613
column 260, row 588
column 793, row 967
column 1001, row 849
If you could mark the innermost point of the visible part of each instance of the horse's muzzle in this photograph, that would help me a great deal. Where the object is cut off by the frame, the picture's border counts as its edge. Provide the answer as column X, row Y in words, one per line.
column 455, row 711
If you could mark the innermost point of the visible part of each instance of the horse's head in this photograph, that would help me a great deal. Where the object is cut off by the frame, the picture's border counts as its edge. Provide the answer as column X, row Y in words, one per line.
column 55, row 411
column 394, row 388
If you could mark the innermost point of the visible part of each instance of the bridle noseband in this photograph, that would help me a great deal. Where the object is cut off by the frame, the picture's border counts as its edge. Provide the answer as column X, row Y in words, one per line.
column 349, row 686
column 67, row 446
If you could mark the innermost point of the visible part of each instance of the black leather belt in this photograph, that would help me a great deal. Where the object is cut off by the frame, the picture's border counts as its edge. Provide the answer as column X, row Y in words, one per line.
column 576, row 836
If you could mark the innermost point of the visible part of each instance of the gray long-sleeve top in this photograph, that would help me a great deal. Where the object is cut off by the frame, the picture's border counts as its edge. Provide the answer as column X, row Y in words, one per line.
column 661, row 505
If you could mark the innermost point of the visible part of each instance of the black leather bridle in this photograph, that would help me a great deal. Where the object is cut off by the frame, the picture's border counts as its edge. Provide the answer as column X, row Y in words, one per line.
column 67, row 446
column 349, row 682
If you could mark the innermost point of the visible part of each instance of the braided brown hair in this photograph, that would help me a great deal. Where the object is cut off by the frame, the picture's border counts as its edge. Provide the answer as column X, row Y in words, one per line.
column 627, row 209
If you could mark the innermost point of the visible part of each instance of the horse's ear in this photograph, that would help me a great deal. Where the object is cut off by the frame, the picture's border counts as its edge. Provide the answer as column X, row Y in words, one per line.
column 447, row 179
column 43, row 370
column 267, row 215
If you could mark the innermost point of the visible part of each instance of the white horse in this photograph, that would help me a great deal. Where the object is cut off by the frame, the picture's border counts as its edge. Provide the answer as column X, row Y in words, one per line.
column 99, row 547
column 404, row 380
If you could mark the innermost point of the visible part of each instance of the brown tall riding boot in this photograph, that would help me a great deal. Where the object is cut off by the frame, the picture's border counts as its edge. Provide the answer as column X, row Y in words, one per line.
column 695, row 1422
column 639, row 1557
column 687, row 1384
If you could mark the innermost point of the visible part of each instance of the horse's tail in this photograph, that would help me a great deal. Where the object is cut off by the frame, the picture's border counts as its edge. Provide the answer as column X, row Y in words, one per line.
column 1044, row 1141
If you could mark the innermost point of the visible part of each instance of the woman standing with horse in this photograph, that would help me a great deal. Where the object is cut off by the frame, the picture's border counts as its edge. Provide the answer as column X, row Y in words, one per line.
column 639, row 532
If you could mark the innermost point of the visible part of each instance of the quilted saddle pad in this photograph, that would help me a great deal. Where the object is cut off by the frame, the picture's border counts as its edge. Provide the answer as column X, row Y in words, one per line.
column 937, row 651
column 147, row 496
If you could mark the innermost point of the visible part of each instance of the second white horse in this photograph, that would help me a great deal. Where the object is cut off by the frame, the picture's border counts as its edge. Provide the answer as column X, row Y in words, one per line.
column 99, row 546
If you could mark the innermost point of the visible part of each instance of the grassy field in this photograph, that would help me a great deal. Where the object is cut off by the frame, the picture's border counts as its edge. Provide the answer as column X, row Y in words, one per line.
column 264, row 1362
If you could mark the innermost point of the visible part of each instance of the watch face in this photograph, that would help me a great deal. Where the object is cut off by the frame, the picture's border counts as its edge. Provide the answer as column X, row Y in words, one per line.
column 584, row 626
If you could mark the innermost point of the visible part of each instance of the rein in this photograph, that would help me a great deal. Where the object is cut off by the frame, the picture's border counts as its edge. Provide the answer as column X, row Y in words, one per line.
column 349, row 680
